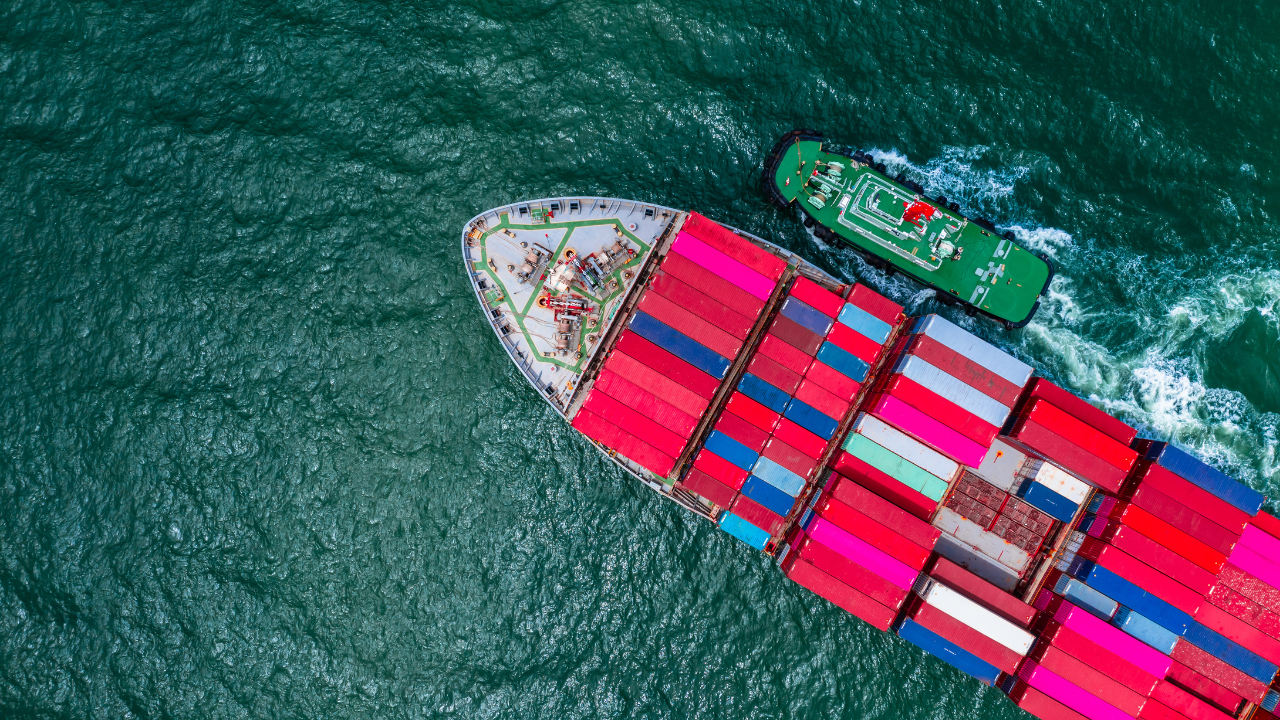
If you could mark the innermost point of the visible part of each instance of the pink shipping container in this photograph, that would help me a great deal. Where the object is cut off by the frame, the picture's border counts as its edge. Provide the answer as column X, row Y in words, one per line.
column 886, row 513
column 1247, row 610
column 1250, row 586
column 873, row 533
column 845, row 597
column 817, row 297
column 1068, row 694
column 635, row 423
column 694, row 327
column 1112, row 638
column 597, row 428
column 775, row 348
column 862, row 553
column 1185, row 519
column 1091, row 680
column 1191, row 707
column 708, row 308
column 662, row 387
column 875, row 303
column 1040, row 705
column 1256, row 565
column 735, row 246
column 929, row 431
column 712, row 285
column 1094, row 655
column 1260, row 542
column 836, row 383
column 850, row 573
column 697, row 481
column 1200, row 685
column 1218, row 671
column 723, row 265
column 644, row 402
column 1070, row 457
column 1081, row 410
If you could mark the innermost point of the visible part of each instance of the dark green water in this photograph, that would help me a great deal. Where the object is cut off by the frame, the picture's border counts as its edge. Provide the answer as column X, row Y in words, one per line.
column 261, row 458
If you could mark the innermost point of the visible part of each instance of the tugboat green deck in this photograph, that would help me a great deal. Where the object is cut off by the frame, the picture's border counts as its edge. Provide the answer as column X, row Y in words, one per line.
column 896, row 227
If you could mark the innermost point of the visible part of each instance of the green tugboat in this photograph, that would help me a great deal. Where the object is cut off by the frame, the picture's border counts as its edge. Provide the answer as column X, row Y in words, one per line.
column 847, row 197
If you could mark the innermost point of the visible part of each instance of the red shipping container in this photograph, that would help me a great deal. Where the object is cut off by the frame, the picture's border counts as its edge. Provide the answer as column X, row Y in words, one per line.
column 1233, row 628
column 1155, row 710
column 1185, row 519
column 1150, row 579
column 855, row 342
column 694, row 327
column 1078, row 433
column 886, row 513
column 735, row 246
column 941, row 409
column 708, row 487
column 713, row 286
column 1267, row 524
column 800, row 439
column 720, row 469
column 850, row 573
column 817, row 297
column 1163, row 559
column 667, row 364
column 1070, row 457
column 962, row 368
column 690, row 297
column 662, row 387
column 1040, row 705
column 931, row 618
column 1218, row 671
column 875, row 534
column 1098, row 419
column 644, row 402
column 1221, row 512
column 1250, row 587
column 981, row 592
column 795, row 335
column 885, row 486
column 790, row 458
column 753, row 412
column 635, row 423
column 643, row 454
column 875, row 303
column 756, row 514
column 1170, row 537
column 1086, row 678
column 775, row 348
column 742, row 431
column 772, row 372
column 836, row 383
column 1247, row 610
column 1094, row 655
column 821, row 400
column 856, row 603
column 1194, row 682
column 1175, row 698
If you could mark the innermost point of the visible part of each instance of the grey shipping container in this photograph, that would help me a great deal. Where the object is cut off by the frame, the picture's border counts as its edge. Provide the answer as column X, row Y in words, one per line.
column 974, row 348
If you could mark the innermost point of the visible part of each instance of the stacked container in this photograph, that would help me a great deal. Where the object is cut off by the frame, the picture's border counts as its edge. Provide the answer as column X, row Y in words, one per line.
column 690, row 324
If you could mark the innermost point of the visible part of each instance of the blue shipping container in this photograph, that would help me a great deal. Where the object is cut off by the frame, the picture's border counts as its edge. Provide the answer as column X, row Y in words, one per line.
column 1135, row 598
column 679, row 344
column 731, row 450
column 778, row 476
column 947, row 651
column 1047, row 500
column 810, row 419
column 768, row 495
column 806, row 317
column 744, row 531
column 763, row 393
column 1211, row 479
column 1083, row 596
column 1229, row 652
column 1141, row 628
column 865, row 323
column 843, row 361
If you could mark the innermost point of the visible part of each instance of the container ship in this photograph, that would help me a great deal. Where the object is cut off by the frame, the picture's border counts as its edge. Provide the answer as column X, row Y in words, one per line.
column 901, row 468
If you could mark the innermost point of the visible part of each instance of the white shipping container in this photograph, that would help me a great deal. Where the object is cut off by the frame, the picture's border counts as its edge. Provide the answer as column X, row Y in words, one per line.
column 974, row 348
column 991, row 545
column 905, row 446
column 1001, row 465
column 952, row 389
column 977, row 617
column 1056, row 479
column 975, row 562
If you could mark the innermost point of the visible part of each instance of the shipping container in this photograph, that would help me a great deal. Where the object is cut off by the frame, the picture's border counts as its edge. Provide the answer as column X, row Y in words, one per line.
column 1247, row 610
column 904, row 446
column 951, row 388
column 800, row 439
column 1068, row 693
column 993, row 546
column 857, row 344
column 698, row 300
column 1181, row 701
column 883, row 511
column 1230, row 652
column 1097, row 656
column 1218, row 671
column 763, row 393
column 982, row 592
column 1163, row 559
column 948, row 652
column 768, row 496
column 653, row 381
column 1170, row 537
column 1001, row 464
column 683, row 373
column 974, row 615
column 753, row 412
column 679, row 344
column 876, row 304
column 843, row 596
column 1040, row 705
column 810, row 418
column 1185, row 519
column 896, row 467
column 1070, row 457
column 843, row 361
column 734, row 246
column 963, row 369
column 968, row 557
column 863, row 553
column 970, row 346
column 940, row 409
column 821, row 400
column 756, row 514
column 795, row 335
column 778, row 476
column 817, row 297
column 744, row 531
column 1145, row 629
column 700, row 483
column 955, row 631
column 1112, row 638
column 1130, row 595
column 723, row 265
column 836, row 383
column 1240, row 632
column 873, row 533
column 701, row 280
column 1267, row 523
column 720, row 469
column 1094, row 680
column 731, row 450
column 742, row 431
column 1150, row 580
column 1098, row 419
column 884, row 485
column 850, row 573
column 636, row 424
column 644, row 402
column 1211, row 479
column 1083, row 596
column 1047, row 500
column 806, row 316
column 775, row 348
column 689, row 325
column 1260, row 542
column 627, row 445
column 1259, row 591
column 864, row 323
column 1203, row 687
column 774, row 373
column 1056, row 479
column 927, row 430
column 1220, row 511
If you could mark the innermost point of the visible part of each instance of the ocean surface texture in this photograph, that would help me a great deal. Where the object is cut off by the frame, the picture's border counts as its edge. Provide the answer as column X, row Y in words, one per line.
column 261, row 457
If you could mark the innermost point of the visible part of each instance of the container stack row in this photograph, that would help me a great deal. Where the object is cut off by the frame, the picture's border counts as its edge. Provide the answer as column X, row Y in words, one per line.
column 661, row 374
column 768, row 444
